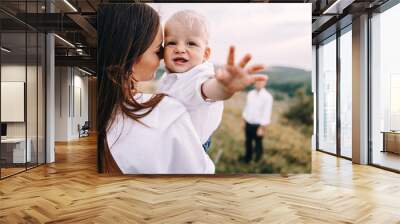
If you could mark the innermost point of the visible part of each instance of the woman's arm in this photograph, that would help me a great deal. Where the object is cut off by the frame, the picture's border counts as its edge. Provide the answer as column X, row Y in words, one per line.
column 232, row 78
column 187, row 155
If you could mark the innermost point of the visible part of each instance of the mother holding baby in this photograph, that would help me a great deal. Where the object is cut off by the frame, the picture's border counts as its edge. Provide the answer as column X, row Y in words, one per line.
column 159, row 133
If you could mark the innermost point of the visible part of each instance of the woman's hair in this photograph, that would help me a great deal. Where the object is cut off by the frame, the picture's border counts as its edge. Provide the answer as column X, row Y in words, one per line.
column 125, row 32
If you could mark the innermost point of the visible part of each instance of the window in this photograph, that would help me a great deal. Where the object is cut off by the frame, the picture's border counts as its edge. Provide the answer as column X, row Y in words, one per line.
column 346, row 92
column 22, row 76
column 385, row 89
column 327, row 96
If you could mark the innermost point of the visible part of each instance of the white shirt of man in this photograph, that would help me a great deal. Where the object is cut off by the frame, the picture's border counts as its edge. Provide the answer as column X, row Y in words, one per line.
column 258, row 107
column 168, row 144
column 185, row 87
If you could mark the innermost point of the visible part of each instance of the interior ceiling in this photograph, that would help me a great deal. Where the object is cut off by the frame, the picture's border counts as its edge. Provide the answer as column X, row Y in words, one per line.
column 79, row 28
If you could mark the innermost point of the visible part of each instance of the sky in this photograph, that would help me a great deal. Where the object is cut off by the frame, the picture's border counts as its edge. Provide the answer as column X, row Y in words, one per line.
column 274, row 34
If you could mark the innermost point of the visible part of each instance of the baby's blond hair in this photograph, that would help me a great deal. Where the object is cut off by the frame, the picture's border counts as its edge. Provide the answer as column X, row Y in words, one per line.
column 190, row 18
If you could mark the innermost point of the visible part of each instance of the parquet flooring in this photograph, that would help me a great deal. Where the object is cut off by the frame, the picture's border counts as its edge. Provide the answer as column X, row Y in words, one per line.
column 70, row 191
column 10, row 171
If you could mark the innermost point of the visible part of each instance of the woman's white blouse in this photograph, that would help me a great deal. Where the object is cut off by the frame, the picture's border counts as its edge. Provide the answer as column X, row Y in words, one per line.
column 168, row 144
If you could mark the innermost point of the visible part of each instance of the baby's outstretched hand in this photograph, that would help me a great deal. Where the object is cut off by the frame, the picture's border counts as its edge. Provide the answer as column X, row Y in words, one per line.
column 235, row 77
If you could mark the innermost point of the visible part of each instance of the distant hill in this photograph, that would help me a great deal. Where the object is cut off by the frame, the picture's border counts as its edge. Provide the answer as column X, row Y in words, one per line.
column 283, row 79
column 281, row 74
column 288, row 80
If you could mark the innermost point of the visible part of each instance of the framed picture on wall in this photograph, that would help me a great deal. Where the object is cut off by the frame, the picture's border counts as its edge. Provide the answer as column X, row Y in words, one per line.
column 12, row 101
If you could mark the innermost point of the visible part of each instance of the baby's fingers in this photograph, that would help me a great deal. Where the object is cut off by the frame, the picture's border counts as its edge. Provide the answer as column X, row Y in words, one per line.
column 245, row 60
column 255, row 68
column 253, row 78
column 231, row 56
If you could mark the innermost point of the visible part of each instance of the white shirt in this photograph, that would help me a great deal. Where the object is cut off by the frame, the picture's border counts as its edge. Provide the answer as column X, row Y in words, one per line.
column 185, row 87
column 258, row 107
column 169, row 145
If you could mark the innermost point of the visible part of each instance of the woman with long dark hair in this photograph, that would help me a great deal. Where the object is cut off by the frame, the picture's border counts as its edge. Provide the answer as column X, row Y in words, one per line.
column 143, row 133
column 139, row 133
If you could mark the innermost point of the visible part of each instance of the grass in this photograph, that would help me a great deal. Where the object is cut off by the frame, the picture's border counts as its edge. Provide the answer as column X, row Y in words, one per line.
column 287, row 146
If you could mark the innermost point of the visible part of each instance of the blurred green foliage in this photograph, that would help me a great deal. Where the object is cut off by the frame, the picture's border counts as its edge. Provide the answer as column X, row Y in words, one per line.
column 301, row 108
column 287, row 148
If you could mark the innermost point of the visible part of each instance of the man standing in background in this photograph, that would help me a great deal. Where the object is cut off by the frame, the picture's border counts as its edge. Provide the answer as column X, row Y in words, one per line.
column 257, row 115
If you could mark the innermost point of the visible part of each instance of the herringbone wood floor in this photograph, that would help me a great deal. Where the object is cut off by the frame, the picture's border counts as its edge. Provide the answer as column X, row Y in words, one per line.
column 70, row 191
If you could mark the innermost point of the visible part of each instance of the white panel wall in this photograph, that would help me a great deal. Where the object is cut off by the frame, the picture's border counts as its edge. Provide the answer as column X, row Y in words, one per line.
column 61, row 103
column 71, row 93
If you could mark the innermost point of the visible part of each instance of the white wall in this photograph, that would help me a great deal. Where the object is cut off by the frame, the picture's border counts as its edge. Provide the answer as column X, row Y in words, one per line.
column 70, row 83
column 80, row 98
column 61, row 103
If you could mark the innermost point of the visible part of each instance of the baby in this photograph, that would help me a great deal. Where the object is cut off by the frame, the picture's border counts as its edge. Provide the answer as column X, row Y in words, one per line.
column 191, row 79
column 186, row 52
